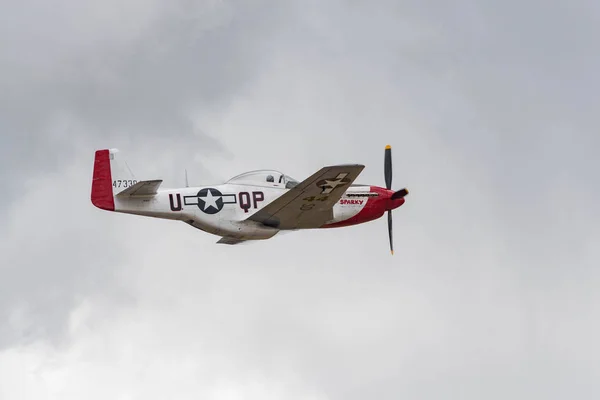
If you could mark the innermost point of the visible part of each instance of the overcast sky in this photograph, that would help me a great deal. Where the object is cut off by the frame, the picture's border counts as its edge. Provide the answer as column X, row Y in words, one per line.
column 491, row 109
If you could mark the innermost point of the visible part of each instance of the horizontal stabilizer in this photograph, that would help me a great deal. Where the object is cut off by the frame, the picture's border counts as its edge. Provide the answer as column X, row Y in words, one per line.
column 142, row 188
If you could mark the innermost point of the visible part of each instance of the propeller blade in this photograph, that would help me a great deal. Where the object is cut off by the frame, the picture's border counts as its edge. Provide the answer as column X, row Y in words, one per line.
column 390, row 231
column 399, row 194
column 387, row 167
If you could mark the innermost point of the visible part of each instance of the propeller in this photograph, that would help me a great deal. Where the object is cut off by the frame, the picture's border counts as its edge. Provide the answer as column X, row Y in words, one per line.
column 387, row 170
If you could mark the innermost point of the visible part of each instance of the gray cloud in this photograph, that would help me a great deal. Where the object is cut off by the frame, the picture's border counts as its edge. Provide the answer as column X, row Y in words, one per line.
column 491, row 293
column 115, row 78
column 83, row 79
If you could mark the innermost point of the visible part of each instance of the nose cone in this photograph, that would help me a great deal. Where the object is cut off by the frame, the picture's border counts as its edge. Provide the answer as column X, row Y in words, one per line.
column 395, row 199
column 384, row 201
column 393, row 204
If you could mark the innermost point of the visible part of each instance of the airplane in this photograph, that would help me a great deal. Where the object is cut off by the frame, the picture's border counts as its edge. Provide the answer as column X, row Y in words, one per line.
column 254, row 205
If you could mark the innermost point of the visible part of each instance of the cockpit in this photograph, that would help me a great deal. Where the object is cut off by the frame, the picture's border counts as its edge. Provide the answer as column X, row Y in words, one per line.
column 265, row 177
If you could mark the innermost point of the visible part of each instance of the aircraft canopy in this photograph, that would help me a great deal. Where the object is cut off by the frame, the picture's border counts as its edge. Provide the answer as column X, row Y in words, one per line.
column 264, row 177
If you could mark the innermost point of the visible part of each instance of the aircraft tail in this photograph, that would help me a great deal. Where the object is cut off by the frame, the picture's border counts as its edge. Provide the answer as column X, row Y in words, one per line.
column 112, row 177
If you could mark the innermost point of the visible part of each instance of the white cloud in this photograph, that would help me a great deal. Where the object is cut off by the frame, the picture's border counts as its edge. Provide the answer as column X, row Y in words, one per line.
column 491, row 292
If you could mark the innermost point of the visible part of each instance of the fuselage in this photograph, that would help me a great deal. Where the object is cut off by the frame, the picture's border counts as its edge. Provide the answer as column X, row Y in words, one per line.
column 223, row 209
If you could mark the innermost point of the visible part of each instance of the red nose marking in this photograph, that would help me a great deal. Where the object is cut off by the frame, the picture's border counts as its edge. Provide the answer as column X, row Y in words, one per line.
column 375, row 208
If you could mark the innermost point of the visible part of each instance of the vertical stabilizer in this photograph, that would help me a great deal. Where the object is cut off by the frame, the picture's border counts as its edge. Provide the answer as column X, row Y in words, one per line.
column 111, row 176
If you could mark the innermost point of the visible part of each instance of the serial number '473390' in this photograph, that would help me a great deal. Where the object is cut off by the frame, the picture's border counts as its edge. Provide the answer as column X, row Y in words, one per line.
column 124, row 183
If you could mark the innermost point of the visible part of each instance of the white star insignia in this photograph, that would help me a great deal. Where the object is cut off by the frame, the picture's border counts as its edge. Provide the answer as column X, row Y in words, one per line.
column 210, row 200
column 331, row 184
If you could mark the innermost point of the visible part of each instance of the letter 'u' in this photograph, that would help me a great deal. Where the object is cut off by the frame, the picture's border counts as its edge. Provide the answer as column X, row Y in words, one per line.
column 171, row 203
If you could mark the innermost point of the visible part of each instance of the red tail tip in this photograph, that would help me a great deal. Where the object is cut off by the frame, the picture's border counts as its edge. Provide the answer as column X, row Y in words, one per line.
column 102, row 194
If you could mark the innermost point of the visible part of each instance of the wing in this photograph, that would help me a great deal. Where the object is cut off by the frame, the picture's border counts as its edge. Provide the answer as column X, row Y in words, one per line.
column 310, row 203
column 142, row 188
column 230, row 240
